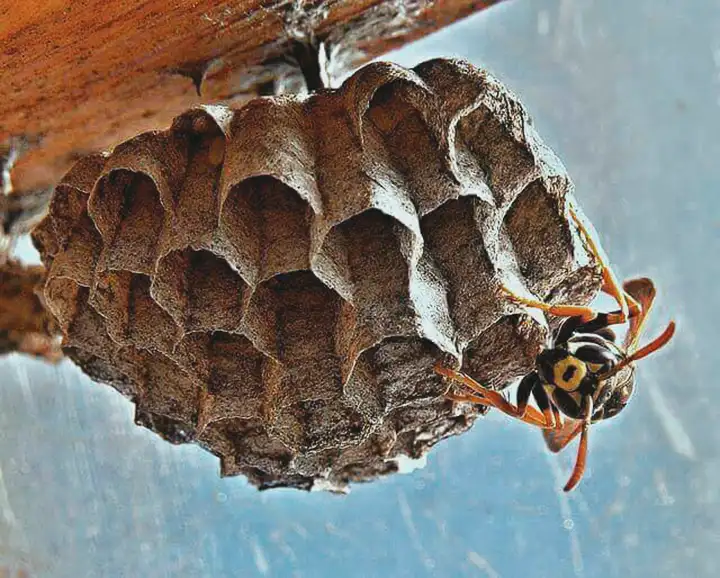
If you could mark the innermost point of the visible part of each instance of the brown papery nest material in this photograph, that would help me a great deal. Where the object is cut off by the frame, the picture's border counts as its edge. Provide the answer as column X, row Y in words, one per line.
column 276, row 282
column 25, row 324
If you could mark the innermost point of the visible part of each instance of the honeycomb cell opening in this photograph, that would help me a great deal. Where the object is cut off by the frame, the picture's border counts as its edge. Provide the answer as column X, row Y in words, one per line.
column 126, row 209
column 504, row 163
column 266, row 225
column 540, row 262
column 200, row 290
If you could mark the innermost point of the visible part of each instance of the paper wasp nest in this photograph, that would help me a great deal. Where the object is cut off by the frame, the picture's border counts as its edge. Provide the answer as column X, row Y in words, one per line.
column 275, row 283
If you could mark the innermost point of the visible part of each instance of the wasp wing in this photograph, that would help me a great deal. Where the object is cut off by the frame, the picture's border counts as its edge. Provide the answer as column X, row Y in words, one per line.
column 643, row 291
column 557, row 439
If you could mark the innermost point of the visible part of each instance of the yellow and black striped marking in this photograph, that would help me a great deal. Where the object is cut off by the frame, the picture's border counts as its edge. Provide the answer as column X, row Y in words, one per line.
column 568, row 373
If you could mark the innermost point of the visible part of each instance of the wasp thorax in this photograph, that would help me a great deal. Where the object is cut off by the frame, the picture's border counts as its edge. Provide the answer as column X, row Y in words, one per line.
column 569, row 372
column 562, row 369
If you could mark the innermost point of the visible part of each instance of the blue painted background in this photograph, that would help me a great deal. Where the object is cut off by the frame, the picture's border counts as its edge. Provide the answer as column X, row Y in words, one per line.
column 628, row 95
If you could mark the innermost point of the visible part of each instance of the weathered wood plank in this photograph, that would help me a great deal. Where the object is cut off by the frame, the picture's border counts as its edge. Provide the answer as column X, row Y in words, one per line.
column 82, row 75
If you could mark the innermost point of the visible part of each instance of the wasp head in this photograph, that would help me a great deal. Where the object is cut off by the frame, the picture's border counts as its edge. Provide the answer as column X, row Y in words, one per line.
column 584, row 366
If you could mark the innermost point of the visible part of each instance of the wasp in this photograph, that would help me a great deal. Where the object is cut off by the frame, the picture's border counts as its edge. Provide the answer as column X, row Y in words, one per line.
column 584, row 375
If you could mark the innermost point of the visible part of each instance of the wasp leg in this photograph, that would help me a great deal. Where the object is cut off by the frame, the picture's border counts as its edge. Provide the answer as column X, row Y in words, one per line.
column 611, row 286
column 629, row 306
column 531, row 417
column 468, row 398
column 600, row 324
column 559, row 424
column 585, row 314
column 548, row 409
column 522, row 397
column 581, row 459
column 531, row 385
column 491, row 398
column 618, row 317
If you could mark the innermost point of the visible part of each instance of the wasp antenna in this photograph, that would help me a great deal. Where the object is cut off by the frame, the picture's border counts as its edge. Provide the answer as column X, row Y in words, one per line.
column 610, row 282
column 660, row 341
column 579, row 468
column 581, row 459
column 655, row 344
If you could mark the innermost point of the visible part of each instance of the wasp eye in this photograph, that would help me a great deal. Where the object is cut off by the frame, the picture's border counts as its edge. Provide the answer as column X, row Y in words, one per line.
column 568, row 373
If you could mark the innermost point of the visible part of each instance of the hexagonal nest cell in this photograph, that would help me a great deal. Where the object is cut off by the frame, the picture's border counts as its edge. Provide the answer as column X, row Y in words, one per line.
column 275, row 283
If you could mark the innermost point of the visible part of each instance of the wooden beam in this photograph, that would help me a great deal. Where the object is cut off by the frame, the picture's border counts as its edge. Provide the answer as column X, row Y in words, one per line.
column 80, row 76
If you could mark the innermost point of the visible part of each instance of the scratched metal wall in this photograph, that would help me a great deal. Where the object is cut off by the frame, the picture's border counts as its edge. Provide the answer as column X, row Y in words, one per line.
column 628, row 94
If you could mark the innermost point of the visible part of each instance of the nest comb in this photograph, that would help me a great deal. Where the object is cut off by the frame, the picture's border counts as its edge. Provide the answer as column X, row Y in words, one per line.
column 276, row 282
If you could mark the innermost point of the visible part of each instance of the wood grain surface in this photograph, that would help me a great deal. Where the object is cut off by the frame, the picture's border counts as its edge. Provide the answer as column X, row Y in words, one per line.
column 82, row 76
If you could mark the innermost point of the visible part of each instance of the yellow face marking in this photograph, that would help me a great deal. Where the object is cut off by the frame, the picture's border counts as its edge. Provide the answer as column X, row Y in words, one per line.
column 568, row 373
